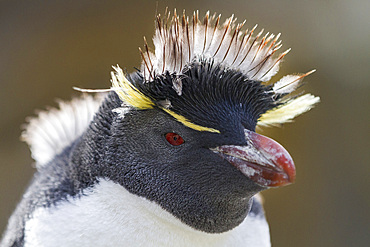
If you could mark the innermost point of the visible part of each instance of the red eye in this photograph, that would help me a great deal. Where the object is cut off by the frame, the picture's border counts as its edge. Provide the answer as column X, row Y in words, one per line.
column 174, row 139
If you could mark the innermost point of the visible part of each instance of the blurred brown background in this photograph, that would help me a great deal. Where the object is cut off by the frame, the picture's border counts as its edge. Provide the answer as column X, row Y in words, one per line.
column 46, row 47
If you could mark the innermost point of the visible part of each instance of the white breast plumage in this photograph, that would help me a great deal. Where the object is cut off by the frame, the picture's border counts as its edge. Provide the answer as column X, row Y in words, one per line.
column 109, row 211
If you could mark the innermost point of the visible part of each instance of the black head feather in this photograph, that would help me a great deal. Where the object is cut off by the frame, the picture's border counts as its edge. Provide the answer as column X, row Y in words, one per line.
column 212, row 95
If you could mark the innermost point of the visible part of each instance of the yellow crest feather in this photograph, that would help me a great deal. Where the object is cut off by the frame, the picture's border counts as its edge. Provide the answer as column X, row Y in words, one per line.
column 127, row 92
column 288, row 111
column 189, row 124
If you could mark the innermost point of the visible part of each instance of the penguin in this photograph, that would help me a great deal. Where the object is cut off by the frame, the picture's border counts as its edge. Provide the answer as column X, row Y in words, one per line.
column 169, row 155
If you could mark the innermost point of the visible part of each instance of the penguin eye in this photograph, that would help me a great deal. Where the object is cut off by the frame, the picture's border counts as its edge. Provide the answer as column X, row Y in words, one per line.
column 174, row 139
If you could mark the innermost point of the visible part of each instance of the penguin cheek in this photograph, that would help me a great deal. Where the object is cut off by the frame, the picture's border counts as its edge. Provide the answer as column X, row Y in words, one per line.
column 223, row 180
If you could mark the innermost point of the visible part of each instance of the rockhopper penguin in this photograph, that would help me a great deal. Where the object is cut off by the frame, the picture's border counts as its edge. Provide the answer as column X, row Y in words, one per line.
column 170, row 156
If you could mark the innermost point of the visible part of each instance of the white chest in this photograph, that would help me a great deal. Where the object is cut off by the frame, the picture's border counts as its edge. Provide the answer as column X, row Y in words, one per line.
column 111, row 216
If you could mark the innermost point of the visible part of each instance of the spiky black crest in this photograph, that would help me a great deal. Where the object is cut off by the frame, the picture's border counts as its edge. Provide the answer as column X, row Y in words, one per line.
column 212, row 95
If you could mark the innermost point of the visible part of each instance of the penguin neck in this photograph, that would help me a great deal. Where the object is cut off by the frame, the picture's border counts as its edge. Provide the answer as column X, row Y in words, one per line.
column 88, row 151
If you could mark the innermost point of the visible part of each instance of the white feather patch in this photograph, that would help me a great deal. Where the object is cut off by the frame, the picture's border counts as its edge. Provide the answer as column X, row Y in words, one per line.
column 288, row 111
column 109, row 215
column 287, row 84
column 178, row 42
column 121, row 111
column 54, row 129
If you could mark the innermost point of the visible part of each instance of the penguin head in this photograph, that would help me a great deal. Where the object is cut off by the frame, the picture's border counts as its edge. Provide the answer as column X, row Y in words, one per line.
column 176, row 161
column 182, row 129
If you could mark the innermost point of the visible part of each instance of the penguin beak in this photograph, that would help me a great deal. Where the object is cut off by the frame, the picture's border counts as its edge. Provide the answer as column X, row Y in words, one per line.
column 263, row 160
